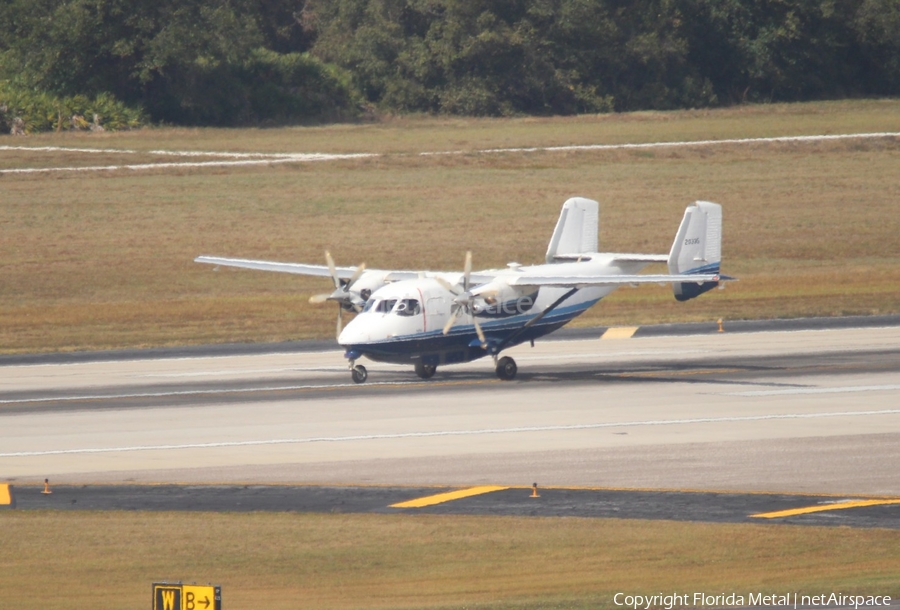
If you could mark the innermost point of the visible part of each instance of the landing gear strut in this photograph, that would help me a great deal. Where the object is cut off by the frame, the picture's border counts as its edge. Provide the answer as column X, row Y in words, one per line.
column 425, row 371
column 506, row 368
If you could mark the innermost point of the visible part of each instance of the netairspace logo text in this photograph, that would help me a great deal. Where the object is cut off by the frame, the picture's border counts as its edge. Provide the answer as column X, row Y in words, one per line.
column 788, row 600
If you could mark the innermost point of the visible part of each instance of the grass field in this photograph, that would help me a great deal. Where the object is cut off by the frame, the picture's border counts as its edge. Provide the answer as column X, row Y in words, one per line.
column 84, row 560
column 104, row 259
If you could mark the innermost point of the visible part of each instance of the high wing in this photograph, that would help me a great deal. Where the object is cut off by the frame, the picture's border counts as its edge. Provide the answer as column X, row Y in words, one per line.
column 343, row 273
column 299, row 268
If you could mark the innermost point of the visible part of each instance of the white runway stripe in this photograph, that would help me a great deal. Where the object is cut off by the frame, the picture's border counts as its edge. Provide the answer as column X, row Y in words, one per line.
column 16, row 401
column 126, row 151
column 246, row 159
column 834, row 390
column 309, row 158
column 783, row 139
column 440, row 433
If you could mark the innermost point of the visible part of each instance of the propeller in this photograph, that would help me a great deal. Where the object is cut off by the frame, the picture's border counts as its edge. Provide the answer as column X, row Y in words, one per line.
column 346, row 299
column 464, row 300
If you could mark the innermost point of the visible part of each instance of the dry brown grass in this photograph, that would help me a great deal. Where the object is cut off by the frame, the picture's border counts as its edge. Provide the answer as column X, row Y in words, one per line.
column 104, row 260
column 76, row 560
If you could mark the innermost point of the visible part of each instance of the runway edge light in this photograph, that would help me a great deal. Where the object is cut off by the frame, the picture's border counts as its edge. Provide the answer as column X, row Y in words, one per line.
column 177, row 596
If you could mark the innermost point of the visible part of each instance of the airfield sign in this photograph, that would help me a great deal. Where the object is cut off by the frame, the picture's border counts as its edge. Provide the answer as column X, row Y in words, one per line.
column 186, row 597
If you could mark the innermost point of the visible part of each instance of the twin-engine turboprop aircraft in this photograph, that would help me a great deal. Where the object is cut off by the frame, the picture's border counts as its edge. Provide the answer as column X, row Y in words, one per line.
column 429, row 319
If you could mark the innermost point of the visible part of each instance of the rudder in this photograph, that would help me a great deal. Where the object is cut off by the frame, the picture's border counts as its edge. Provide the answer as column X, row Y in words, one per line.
column 697, row 248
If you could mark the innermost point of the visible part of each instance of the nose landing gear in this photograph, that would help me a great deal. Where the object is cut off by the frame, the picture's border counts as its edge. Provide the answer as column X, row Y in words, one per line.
column 359, row 374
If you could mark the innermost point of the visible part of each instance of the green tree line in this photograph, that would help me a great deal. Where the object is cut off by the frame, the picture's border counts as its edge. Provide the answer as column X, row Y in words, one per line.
column 240, row 62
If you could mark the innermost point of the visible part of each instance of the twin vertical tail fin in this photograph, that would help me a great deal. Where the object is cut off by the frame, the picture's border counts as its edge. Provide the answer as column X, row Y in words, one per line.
column 576, row 230
column 697, row 248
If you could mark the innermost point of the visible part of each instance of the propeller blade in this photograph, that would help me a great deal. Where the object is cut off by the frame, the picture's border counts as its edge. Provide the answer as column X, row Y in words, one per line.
column 340, row 322
column 356, row 274
column 467, row 270
column 451, row 321
column 446, row 285
column 332, row 270
column 480, row 333
column 319, row 298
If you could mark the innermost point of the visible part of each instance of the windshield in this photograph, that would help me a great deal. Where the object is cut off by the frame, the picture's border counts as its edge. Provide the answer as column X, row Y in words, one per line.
column 408, row 307
column 386, row 305
column 369, row 305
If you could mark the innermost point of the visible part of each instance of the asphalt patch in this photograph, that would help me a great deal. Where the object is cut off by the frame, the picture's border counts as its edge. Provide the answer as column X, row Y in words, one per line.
column 713, row 507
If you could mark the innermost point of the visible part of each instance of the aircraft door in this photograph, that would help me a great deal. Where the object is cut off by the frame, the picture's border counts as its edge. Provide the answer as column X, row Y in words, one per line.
column 437, row 312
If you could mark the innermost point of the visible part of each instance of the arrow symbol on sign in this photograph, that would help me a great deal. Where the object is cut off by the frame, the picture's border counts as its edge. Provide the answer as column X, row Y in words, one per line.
column 205, row 601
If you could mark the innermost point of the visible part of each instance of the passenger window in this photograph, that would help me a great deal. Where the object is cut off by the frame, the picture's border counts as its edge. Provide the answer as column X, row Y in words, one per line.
column 386, row 306
column 409, row 307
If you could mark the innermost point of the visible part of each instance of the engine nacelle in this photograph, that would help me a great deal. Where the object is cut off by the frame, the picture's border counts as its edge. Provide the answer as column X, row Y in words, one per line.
column 500, row 300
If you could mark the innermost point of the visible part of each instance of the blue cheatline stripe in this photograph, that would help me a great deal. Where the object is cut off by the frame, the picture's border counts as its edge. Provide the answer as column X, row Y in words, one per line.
column 708, row 268
column 560, row 314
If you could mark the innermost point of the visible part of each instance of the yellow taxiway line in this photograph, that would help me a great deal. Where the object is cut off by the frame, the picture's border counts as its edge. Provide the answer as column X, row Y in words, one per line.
column 823, row 507
column 448, row 496
column 619, row 332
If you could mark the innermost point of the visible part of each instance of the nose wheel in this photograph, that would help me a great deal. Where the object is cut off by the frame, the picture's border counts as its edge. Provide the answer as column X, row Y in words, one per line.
column 506, row 368
column 359, row 374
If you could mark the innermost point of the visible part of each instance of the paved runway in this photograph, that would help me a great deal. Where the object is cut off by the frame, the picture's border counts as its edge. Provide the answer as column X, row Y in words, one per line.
column 813, row 411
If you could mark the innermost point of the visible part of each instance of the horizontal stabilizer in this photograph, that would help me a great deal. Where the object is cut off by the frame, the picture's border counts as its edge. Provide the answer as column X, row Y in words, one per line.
column 640, row 258
column 576, row 281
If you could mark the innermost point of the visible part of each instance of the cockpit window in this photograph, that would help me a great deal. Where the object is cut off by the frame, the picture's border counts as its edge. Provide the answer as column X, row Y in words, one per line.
column 386, row 305
column 369, row 304
column 408, row 307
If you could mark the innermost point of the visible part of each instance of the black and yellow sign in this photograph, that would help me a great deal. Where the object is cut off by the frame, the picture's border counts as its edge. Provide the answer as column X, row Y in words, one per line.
column 186, row 597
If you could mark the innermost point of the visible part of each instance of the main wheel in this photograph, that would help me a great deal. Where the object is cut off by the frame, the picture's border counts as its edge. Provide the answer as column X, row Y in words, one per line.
column 359, row 374
column 506, row 368
column 425, row 371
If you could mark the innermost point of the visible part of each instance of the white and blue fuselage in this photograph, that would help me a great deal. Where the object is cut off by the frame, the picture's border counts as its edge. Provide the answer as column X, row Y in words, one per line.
column 430, row 319
column 404, row 321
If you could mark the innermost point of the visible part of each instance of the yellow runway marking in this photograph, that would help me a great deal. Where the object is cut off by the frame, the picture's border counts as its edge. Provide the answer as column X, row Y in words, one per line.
column 5, row 494
column 823, row 507
column 620, row 332
column 448, row 497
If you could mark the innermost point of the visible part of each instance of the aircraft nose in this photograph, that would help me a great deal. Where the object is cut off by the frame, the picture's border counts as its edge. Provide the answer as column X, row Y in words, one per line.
column 353, row 334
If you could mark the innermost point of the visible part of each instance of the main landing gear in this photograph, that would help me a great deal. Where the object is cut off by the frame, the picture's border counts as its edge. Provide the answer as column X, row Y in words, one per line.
column 506, row 368
column 425, row 371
